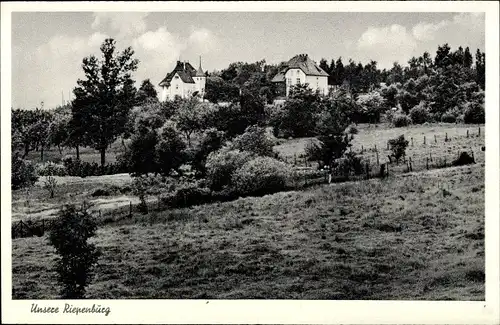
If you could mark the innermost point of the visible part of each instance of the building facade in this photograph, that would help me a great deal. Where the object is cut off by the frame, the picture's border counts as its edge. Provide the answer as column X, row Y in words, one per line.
column 302, row 70
column 184, row 81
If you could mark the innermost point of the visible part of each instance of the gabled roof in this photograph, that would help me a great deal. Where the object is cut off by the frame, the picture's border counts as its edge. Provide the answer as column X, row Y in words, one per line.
column 302, row 62
column 185, row 71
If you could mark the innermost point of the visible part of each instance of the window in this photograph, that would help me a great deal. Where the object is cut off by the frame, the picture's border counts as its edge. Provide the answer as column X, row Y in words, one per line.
column 289, row 81
column 176, row 77
column 176, row 87
column 298, row 81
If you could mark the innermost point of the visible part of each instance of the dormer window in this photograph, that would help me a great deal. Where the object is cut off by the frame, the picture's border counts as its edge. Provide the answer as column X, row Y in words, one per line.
column 176, row 77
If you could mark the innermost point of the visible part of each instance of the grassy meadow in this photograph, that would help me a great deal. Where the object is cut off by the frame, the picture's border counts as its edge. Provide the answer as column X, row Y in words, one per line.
column 371, row 137
column 417, row 236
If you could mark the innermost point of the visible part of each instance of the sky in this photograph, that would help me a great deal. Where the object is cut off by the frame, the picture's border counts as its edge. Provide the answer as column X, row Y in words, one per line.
column 48, row 47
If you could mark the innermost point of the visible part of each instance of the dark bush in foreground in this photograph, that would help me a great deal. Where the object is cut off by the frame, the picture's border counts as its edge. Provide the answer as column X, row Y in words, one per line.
column 463, row 159
column 77, row 258
column 23, row 172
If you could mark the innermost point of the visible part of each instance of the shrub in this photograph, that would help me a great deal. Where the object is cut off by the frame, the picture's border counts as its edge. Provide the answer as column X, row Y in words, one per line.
column 77, row 257
column 261, row 175
column 400, row 120
column 398, row 147
column 463, row 159
column 50, row 185
column 348, row 165
column 474, row 113
column 187, row 194
column 51, row 169
column 313, row 151
column 352, row 130
column 222, row 164
column 256, row 140
column 101, row 192
column 448, row 118
column 211, row 141
column 23, row 173
column 419, row 114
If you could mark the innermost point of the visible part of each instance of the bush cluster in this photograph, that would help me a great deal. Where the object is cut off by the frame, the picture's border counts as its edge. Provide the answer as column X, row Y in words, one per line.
column 400, row 120
column 51, row 169
column 75, row 167
column 261, row 175
column 23, row 172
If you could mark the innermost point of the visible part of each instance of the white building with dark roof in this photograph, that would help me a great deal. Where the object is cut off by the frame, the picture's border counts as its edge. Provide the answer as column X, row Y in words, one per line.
column 301, row 70
column 184, row 81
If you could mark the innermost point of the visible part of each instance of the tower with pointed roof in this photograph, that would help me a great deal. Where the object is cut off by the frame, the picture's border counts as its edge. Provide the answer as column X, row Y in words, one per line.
column 184, row 81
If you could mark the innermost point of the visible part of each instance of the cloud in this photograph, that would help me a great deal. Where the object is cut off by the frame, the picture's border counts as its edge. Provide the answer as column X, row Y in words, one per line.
column 159, row 49
column 427, row 31
column 463, row 22
column 125, row 23
column 397, row 43
column 391, row 43
column 202, row 41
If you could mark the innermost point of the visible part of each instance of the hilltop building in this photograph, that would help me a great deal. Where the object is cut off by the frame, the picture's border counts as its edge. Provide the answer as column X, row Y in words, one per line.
column 184, row 81
column 300, row 70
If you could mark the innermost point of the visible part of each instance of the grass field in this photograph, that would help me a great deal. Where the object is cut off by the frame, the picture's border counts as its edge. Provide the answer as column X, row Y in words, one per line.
column 370, row 136
column 409, row 237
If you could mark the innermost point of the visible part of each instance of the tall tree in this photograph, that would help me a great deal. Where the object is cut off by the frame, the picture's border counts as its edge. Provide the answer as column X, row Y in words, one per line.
column 104, row 98
column 147, row 92
column 480, row 68
column 467, row 58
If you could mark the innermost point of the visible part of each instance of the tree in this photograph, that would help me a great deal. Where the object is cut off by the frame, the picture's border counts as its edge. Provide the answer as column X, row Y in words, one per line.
column 298, row 118
column 339, row 72
column 23, row 172
column 398, row 147
column 147, row 92
column 219, row 90
column 170, row 150
column 77, row 257
column 372, row 106
column 104, row 98
column 211, row 141
column 480, row 68
column 189, row 118
column 59, row 129
column 467, row 58
column 332, row 123
column 142, row 155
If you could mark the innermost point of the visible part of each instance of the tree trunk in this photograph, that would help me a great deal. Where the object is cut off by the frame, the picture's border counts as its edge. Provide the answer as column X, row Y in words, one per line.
column 26, row 150
column 77, row 152
column 103, row 156
column 123, row 144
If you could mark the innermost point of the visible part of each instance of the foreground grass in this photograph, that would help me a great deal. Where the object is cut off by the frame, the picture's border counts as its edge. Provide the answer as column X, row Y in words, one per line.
column 417, row 236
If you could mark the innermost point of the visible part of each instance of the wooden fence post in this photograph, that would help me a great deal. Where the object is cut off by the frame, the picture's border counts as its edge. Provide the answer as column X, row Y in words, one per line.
column 435, row 139
column 388, row 144
column 412, row 141
column 479, row 131
column 362, row 149
column 430, row 155
column 446, row 137
column 411, row 167
column 295, row 159
column 424, row 139
column 130, row 209
column 467, row 133
column 427, row 162
column 378, row 163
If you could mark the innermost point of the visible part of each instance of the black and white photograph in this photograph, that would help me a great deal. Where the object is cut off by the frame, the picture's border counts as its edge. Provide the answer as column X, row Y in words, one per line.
column 209, row 154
